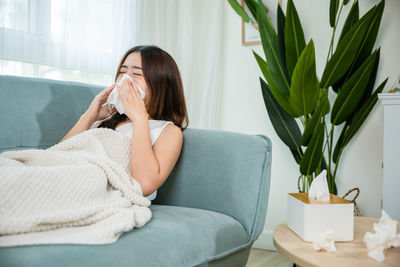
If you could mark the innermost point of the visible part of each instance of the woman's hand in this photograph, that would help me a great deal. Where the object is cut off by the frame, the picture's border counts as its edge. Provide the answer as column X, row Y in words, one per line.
column 134, row 105
column 96, row 110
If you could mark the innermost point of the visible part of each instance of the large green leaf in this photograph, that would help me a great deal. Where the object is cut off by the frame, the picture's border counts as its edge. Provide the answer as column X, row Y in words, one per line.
column 284, row 125
column 351, row 19
column 366, row 46
column 346, row 51
column 294, row 37
column 252, row 5
column 311, row 127
column 362, row 114
column 304, row 89
column 313, row 154
column 370, row 36
column 345, row 2
column 239, row 10
column 341, row 143
column 371, row 81
column 281, row 34
column 368, row 89
column 273, row 56
column 351, row 93
column 282, row 99
column 333, row 8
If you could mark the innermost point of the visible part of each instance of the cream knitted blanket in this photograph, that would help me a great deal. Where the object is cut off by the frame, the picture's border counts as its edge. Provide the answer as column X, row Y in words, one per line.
column 78, row 191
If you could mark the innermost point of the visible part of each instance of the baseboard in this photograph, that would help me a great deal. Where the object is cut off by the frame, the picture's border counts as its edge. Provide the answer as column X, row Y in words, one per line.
column 265, row 240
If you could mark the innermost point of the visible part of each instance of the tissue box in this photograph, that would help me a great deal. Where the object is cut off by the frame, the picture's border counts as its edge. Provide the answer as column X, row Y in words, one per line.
column 308, row 219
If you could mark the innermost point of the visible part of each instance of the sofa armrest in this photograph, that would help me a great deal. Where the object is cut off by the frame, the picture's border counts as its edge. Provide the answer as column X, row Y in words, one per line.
column 224, row 172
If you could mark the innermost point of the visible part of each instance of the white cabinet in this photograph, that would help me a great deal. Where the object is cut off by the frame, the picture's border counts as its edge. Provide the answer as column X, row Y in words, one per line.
column 391, row 154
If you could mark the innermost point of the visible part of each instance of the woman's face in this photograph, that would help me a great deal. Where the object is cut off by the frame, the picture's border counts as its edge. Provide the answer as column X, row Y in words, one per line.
column 133, row 67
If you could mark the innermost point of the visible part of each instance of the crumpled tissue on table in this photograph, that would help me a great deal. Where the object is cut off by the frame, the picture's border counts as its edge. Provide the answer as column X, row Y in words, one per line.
column 384, row 237
column 319, row 188
column 325, row 241
column 114, row 100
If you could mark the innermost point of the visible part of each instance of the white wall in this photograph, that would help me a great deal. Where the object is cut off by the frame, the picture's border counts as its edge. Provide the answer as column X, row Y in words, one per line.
column 242, row 109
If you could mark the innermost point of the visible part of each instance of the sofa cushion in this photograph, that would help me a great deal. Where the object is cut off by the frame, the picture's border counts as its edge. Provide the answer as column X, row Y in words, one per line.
column 175, row 236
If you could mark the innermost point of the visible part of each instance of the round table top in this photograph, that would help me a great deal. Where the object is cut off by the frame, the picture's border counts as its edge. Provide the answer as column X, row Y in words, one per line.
column 354, row 253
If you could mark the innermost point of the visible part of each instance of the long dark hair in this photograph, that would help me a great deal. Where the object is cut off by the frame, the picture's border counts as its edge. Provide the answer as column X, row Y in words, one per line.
column 167, row 100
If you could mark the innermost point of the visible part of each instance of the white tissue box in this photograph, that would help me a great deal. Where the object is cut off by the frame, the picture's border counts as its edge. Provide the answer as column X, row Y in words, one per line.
column 308, row 219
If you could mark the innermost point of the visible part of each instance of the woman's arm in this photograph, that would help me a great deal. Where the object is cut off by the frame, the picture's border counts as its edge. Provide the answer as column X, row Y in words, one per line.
column 95, row 112
column 83, row 124
column 151, row 165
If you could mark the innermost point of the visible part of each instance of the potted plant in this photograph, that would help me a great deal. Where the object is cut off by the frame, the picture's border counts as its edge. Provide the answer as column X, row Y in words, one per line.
column 294, row 95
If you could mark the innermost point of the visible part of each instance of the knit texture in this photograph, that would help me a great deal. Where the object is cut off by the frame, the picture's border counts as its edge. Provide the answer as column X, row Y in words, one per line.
column 78, row 191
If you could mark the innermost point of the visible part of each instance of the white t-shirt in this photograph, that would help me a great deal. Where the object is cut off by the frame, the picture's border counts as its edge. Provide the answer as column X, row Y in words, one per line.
column 155, row 126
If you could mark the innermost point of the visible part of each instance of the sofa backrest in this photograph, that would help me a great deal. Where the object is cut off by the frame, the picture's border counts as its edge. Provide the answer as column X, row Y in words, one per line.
column 37, row 113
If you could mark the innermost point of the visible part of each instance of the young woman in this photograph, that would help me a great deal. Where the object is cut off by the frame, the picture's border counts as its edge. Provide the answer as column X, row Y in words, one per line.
column 154, row 123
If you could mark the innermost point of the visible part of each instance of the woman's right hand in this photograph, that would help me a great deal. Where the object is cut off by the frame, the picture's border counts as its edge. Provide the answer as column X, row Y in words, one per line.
column 96, row 110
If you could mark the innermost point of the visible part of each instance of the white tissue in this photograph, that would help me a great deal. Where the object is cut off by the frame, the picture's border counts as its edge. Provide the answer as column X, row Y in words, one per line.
column 319, row 188
column 325, row 241
column 114, row 99
column 384, row 237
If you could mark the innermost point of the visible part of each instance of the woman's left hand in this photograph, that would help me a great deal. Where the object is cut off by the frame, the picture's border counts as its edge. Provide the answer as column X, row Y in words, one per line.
column 134, row 105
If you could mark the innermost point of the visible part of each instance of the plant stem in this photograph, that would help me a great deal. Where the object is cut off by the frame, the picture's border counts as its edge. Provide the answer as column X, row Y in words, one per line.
column 330, row 51
column 337, row 163
column 327, row 138
column 307, row 119
column 324, row 94
column 330, row 158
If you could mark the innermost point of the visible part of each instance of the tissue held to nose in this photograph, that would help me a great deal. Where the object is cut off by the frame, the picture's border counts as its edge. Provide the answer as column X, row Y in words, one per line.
column 114, row 100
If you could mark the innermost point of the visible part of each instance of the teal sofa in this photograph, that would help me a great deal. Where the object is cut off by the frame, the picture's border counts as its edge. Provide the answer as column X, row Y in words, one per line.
column 208, row 213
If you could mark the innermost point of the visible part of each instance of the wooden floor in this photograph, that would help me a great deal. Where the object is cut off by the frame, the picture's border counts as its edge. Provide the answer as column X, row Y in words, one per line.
column 260, row 257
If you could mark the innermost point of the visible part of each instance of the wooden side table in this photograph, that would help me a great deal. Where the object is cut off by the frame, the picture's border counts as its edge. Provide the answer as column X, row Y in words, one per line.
column 352, row 254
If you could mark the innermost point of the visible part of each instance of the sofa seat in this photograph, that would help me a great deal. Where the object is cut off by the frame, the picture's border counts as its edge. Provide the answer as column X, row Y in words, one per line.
column 177, row 236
